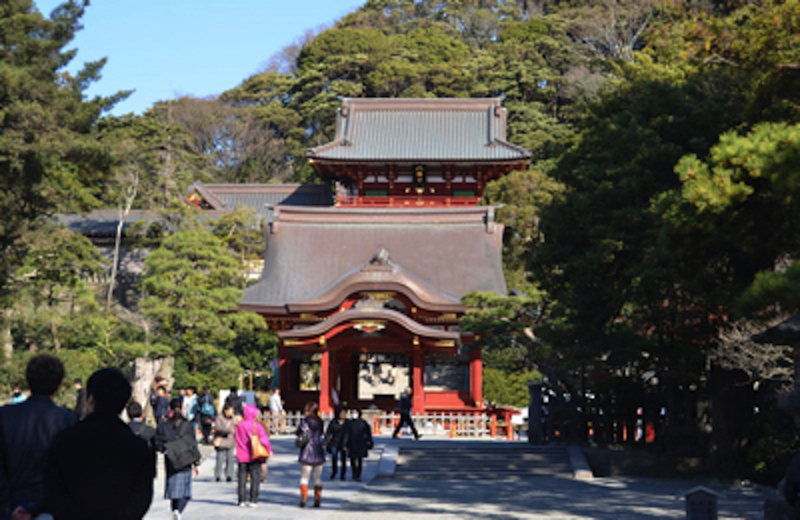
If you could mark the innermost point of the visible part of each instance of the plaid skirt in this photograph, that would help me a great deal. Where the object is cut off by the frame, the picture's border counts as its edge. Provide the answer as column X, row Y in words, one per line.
column 178, row 485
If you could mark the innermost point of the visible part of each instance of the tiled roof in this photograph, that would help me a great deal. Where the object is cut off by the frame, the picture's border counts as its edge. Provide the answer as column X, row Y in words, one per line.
column 420, row 130
column 441, row 254
column 221, row 197
column 263, row 197
column 103, row 222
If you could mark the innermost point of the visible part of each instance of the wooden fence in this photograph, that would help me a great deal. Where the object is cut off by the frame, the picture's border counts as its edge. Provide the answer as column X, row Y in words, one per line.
column 430, row 424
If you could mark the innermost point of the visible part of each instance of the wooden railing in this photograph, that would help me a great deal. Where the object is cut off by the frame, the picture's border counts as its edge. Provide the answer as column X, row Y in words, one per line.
column 406, row 201
column 429, row 424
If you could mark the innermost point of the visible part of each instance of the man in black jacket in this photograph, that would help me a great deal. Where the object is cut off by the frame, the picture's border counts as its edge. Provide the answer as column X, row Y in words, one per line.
column 137, row 425
column 26, row 431
column 404, row 405
column 98, row 469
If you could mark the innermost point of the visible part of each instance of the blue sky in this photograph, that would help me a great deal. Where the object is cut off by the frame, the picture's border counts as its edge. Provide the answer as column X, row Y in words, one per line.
column 167, row 48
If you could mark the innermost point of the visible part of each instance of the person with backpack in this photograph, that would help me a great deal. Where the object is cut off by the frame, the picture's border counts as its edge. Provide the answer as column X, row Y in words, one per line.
column 176, row 437
column 207, row 414
column 235, row 401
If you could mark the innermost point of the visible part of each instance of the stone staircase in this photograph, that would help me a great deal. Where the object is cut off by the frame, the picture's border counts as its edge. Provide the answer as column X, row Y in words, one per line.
column 480, row 460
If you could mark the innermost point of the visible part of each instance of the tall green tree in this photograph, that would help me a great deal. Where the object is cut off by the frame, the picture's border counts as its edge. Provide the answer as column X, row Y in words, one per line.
column 50, row 158
column 192, row 284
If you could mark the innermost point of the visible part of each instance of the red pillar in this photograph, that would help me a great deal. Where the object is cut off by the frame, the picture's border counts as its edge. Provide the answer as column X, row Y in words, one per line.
column 476, row 376
column 417, row 371
column 347, row 392
column 284, row 369
column 325, row 383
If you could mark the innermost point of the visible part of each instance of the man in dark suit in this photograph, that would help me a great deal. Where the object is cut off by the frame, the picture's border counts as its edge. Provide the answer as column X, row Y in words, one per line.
column 26, row 431
column 98, row 469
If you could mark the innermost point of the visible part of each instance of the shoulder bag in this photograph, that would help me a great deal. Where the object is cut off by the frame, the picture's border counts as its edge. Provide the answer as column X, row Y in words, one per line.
column 302, row 438
column 182, row 452
column 257, row 449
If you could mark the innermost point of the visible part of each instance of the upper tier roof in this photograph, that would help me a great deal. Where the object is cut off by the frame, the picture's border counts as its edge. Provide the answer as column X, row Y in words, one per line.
column 402, row 129
column 435, row 256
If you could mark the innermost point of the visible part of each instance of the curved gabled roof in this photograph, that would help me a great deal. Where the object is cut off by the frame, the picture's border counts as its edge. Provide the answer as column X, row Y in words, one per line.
column 356, row 316
column 434, row 256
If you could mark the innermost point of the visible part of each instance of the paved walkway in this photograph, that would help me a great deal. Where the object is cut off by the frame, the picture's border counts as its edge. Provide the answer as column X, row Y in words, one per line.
column 279, row 495
column 389, row 499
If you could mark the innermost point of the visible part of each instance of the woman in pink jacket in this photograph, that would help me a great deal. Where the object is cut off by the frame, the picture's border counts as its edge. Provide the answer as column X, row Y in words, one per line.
column 247, row 465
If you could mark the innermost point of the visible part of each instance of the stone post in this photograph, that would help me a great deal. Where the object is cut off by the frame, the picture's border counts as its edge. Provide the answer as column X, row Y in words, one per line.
column 535, row 413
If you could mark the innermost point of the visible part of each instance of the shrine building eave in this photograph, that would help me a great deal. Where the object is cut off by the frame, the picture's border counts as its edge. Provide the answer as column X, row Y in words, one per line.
column 433, row 256
column 369, row 321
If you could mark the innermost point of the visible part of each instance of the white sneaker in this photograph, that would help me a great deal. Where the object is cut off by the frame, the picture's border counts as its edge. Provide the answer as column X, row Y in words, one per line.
column 252, row 504
column 176, row 515
column 243, row 504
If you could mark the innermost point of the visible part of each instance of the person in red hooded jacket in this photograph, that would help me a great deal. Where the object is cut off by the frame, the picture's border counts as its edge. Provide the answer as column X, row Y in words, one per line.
column 246, row 428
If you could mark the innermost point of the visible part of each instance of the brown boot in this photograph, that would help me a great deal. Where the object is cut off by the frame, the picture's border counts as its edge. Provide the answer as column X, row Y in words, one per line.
column 317, row 495
column 303, row 494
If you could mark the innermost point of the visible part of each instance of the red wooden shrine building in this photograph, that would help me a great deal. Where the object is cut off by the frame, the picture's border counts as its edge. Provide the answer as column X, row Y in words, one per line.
column 366, row 294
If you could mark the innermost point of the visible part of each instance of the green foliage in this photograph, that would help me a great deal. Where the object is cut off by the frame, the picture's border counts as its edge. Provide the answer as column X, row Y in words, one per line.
column 192, row 283
column 505, row 388
column 50, row 158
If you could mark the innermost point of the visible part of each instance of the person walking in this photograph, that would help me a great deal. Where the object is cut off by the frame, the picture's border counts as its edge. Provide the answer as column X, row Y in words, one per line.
column 404, row 405
column 248, row 464
column 178, row 486
column 312, row 454
column 335, row 443
column 26, row 431
column 235, row 401
column 276, row 410
column 207, row 414
column 98, row 468
column 138, row 426
column 160, row 403
column 225, row 444
column 190, row 407
column 358, row 438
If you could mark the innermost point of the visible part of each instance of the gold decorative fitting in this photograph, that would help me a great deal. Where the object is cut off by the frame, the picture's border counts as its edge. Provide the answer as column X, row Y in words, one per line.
column 448, row 316
column 292, row 342
column 445, row 343
column 369, row 326
column 416, row 341
column 322, row 340
column 307, row 316
column 382, row 297
column 413, row 309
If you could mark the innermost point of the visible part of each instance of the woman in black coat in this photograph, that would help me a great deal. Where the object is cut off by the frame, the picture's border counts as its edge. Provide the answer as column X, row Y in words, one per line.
column 358, row 440
column 334, row 441
column 178, row 486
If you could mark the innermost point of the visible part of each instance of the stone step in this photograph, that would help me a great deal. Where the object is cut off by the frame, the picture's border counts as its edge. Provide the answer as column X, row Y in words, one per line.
column 482, row 461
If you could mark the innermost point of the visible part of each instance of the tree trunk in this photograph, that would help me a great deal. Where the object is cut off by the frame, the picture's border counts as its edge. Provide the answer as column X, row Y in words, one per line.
column 5, row 335
column 130, row 195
